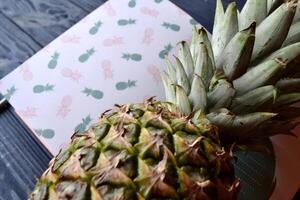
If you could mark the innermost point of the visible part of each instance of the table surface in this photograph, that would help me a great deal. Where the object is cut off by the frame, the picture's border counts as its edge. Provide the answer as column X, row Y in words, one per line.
column 26, row 26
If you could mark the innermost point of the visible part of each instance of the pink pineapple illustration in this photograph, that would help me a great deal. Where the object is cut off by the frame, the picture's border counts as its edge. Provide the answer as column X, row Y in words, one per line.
column 74, row 75
column 109, row 9
column 108, row 73
column 26, row 73
column 181, row 12
column 64, row 107
column 47, row 48
column 71, row 39
column 148, row 36
column 154, row 72
column 28, row 112
column 115, row 41
column 150, row 12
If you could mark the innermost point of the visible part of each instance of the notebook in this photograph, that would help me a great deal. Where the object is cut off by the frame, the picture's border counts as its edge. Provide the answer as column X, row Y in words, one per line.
column 114, row 55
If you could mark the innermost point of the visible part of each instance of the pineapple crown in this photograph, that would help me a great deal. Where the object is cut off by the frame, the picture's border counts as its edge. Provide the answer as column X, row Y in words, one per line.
column 246, row 78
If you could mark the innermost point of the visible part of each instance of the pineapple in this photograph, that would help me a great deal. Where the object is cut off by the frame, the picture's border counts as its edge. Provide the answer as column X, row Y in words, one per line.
column 222, row 96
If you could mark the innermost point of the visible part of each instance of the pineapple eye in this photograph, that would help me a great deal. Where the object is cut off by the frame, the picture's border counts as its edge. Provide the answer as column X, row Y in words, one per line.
column 136, row 113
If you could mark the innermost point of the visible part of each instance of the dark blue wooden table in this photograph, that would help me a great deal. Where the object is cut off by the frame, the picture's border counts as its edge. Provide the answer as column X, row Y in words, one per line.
column 26, row 26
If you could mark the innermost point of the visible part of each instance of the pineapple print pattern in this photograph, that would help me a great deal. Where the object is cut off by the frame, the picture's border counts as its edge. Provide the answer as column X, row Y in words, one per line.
column 134, row 57
column 132, row 3
column 94, row 30
column 72, row 65
column 125, row 85
column 173, row 27
column 97, row 94
column 193, row 22
column 125, row 22
column 85, row 56
column 45, row 133
column 9, row 93
column 163, row 53
column 53, row 62
column 80, row 128
column 42, row 88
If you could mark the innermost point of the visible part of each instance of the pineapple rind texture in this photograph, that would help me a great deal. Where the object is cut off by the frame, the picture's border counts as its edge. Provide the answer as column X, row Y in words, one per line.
column 142, row 151
column 222, row 96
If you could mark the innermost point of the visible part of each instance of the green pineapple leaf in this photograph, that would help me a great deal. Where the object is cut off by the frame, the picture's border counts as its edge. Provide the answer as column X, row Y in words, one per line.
column 163, row 53
column 132, row 3
column 94, row 30
column 173, row 27
column 97, row 94
column 193, row 22
column 53, row 62
column 9, row 93
column 38, row 89
column 45, row 133
column 124, row 22
column 134, row 57
column 80, row 128
column 124, row 85
column 85, row 56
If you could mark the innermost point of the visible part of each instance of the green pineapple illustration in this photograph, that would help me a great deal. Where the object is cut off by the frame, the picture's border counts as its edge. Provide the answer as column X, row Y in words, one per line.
column 134, row 56
column 124, row 22
column 158, row 1
column 124, row 85
column 42, row 88
column 163, row 53
column 80, row 128
column 45, row 133
column 97, row 94
column 173, row 27
column 85, row 56
column 95, row 28
column 132, row 3
column 53, row 62
column 9, row 93
column 193, row 22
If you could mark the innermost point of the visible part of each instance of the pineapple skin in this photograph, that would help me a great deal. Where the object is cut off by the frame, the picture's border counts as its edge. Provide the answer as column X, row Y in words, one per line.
column 142, row 151
column 244, row 80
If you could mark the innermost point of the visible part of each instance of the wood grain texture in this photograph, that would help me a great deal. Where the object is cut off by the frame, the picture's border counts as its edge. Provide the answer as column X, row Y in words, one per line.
column 15, row 46
column 42, row 20
column 199, row 10
column 88, row 5
column 22, row 158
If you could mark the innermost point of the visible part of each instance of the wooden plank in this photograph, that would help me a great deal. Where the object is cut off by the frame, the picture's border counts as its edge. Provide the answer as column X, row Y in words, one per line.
column 43, row 20
column 22, row 159
column 15, row 46
column 203, row 12
column 88, row 5
column 195, row 8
